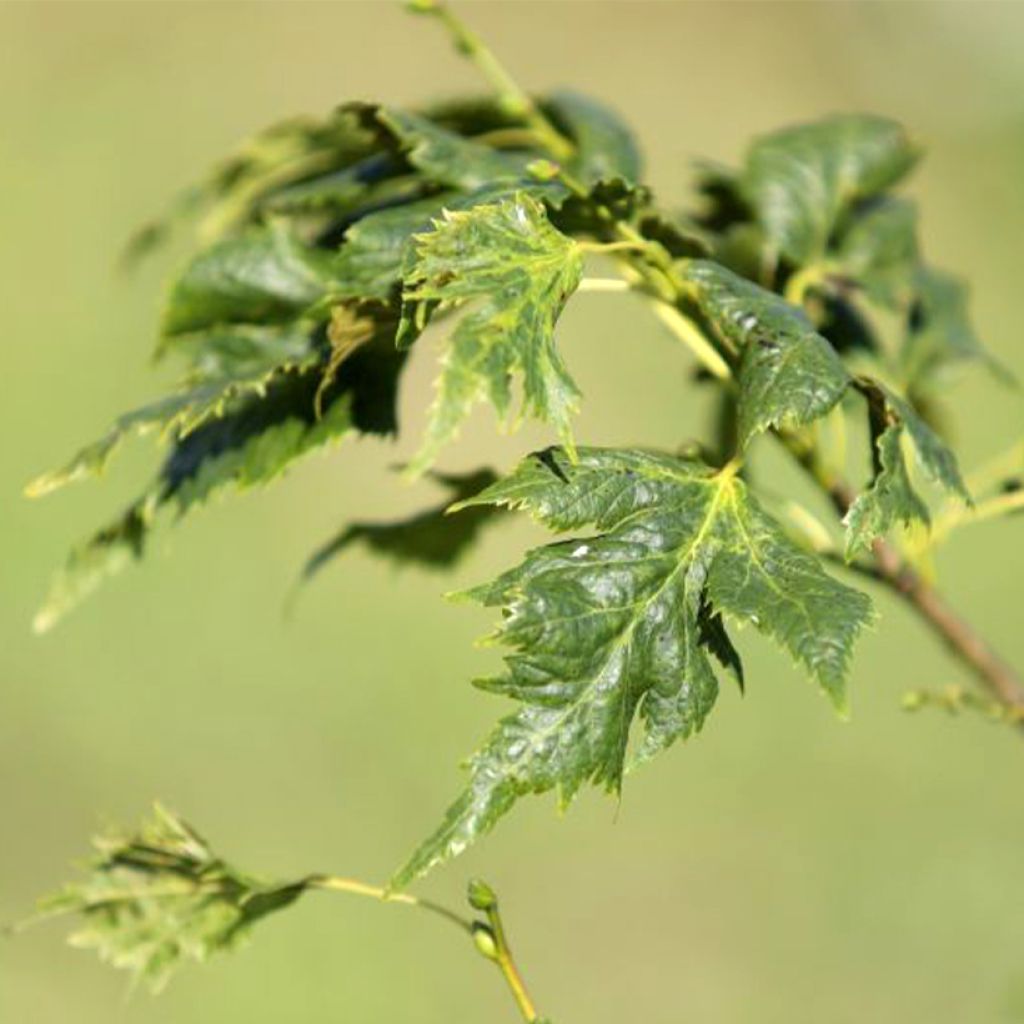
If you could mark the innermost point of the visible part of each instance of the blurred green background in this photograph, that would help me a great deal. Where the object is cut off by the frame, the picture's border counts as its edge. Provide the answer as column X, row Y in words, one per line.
column 784, row 866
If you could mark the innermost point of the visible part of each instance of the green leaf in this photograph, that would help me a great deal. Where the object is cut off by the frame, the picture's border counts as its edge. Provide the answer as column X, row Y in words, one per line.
column 279, row 155
column 518, row 271
column 242, row 350
column 879, row 251
column 611, row 627
column 374, row 252
column 788, row 373
column 176, row 416
column 605, row 147
column 891, row 498
column 442, row 156
column 263, row 276
column 940, row 333
column 154, row 901
column 252, row 445
column 103, row 555
column 802, row 181
column 432, row 538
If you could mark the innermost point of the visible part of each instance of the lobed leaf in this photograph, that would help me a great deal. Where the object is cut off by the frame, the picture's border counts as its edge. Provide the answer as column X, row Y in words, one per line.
column 518, row 270
column 618, row 625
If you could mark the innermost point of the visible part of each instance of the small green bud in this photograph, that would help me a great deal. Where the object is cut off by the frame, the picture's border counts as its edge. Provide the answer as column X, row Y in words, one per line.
column 481, row 896
column 421, row 6
column 483, row 938
column 913, row 701
column 543, row 170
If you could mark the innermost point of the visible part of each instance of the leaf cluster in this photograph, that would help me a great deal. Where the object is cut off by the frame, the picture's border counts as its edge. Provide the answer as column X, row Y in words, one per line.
column 797, row 277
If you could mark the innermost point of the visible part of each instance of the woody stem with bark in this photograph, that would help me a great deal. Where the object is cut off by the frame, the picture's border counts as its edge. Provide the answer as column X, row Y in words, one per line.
column 648, row 267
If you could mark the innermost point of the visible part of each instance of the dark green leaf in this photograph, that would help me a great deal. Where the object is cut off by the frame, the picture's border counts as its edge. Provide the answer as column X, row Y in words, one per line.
column 879, row 251
column 801, row 181
column 433, row 538
column 518, row 271
column 618, row 625
column 788, row 373
column 605, row 147
column 890, row 498
column 444, row 157
column 252, row 444
column 264, row 276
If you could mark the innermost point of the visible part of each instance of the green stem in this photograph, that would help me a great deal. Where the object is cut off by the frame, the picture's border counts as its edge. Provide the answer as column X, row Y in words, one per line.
column 513, row 99
column 335, row 883
column 489, row 939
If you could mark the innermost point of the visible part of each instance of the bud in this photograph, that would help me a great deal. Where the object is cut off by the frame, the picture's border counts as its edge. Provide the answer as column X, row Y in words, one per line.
column 481, row 896
column 483, row 938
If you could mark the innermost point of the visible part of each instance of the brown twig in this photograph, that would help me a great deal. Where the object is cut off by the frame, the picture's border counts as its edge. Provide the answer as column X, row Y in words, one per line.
column 892, row 571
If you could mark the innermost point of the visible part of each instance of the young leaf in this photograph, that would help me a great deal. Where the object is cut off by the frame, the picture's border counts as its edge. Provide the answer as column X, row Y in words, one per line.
column 156, row 900
column 433, row 538
column 891, row 498
column 614, row 626
column 519, row 271
column 801, row 181
column 788, row 373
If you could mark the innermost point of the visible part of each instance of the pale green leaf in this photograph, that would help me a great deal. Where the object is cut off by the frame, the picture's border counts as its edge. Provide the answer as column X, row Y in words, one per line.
column 153, row 901
column 611, row 627
column 518, row 271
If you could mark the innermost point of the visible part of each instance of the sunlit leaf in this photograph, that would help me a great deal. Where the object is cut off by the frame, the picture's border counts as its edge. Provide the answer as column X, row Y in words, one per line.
column 615, row 626
column 518, row 271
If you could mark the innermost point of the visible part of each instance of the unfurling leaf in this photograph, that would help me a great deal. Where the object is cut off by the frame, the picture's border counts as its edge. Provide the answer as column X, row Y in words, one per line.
column 802, row 181
column 788, row 373
column 518, row 270
column 432, row 538
column 160, row 898
column 891, row 498
column 618, row 625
